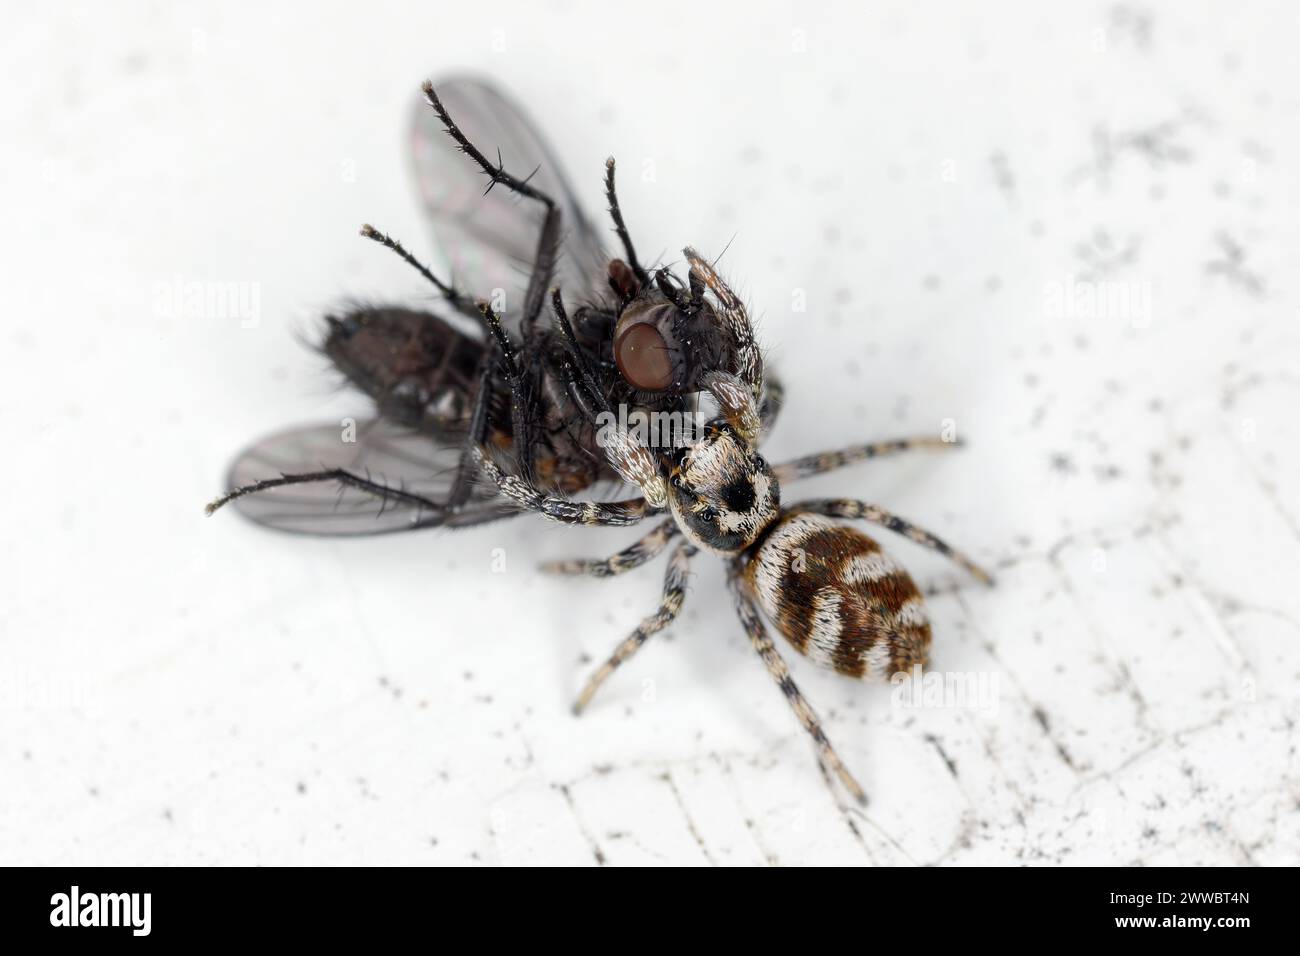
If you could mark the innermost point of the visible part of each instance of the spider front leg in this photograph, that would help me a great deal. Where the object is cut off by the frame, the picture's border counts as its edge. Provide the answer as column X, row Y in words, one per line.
column 633, row 556
column 826, row 461
column 826, row 756
column 849, row 508
column 670, row 606
column 562, row 510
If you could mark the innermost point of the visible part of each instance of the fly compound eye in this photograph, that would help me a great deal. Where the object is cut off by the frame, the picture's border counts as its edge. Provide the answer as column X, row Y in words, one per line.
column 642, row 357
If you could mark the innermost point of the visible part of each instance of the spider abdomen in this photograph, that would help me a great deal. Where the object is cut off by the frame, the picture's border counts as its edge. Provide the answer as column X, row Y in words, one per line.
column 838, row 598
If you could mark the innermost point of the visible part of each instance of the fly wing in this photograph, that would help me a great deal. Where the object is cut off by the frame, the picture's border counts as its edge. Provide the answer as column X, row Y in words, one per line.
column 490, row 240
column 387, row 454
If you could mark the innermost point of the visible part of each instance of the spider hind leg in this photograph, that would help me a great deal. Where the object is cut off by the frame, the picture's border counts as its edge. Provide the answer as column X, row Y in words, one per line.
column 776, row 666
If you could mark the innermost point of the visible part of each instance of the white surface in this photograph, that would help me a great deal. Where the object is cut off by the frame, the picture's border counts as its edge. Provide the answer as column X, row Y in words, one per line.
column 180, row 690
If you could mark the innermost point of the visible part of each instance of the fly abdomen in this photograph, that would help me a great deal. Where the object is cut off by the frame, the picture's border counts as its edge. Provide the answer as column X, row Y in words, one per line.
column 419, row 369
column 838, row 598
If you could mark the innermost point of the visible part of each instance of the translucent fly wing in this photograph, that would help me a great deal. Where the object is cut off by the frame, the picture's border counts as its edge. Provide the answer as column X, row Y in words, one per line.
column 490, row 240
column 382, row 452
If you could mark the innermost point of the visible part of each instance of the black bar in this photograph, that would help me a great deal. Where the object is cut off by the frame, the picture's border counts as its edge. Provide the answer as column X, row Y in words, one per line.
column 371, row 906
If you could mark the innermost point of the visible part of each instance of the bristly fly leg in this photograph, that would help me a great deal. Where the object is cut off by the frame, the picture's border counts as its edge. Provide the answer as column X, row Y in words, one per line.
column 345, row 479
column 620, row 227
column 548, row 241
column 524, row 427
column 463, row 304
column 525, row 377
column 467, row 465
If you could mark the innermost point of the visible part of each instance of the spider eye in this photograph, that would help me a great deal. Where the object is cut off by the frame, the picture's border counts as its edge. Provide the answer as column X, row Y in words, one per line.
column 708, row 514
column 642, row 357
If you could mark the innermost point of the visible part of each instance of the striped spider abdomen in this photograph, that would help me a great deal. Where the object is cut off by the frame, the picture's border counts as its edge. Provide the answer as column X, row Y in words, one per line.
column 838, row 598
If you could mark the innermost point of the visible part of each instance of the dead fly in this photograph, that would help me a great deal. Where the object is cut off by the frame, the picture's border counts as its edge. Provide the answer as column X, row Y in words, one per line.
column 489, row 365
column 522, row 396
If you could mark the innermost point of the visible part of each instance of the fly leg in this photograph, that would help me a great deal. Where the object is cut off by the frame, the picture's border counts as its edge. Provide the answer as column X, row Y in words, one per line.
column 461, row 302
column 524, row 426
column 467, row 466
column 345, row 479
column 548, row 241
column 616, row 213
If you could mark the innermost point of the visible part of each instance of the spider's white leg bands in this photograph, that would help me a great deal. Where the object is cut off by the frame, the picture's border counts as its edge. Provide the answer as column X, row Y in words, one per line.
column 633, row 556
column 563, row 510
column 669, row 607
column 849, row 508
column 735, row 320
column 780, row 672
column 825, row 461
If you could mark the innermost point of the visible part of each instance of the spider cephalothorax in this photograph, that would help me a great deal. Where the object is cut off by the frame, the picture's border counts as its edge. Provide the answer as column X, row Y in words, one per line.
column 722, row 494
